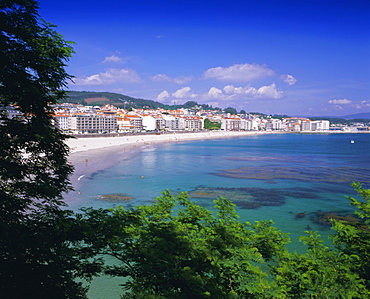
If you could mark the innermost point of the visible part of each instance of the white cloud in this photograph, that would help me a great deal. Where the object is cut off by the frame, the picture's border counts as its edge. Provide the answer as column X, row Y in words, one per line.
column 111, row 59
column 239, row 72
column 183, row 93
column 289, row 79
column 340, row 102
column 365, row 103
column 336, row 107
column 247, row 92
column 163, row 96
column 215, row 93
column 111, row 76
column 165, row 78
column 160, row 78
column 182, row 79
column 270, row 92
column 229, row 93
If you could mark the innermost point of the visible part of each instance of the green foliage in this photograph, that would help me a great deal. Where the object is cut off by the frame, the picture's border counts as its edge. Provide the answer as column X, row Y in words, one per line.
column 230, row 110
column 354, row 238
column 258, row 114
column 210, row 125
column 190, row 104
column 177, row 249
column 32, row 74
column 318, row 273
column 269, row 241
column 360, row 120
column 341, row 272
column 37, row 256
column 193, row 104
column 278, row 116
column 123, row 101
column 119, row 100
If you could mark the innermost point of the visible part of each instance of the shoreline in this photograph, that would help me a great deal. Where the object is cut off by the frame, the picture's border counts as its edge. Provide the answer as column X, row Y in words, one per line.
column 94, row 154
column 91, row 143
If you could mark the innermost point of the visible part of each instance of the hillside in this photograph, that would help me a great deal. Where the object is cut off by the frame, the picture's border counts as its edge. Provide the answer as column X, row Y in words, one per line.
column 122, row 101
column 102, row 98
column 358, row 116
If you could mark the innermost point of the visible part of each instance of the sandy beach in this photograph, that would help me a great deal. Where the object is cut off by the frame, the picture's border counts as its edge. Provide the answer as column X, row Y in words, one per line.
column 86, row 144
column 91, row 155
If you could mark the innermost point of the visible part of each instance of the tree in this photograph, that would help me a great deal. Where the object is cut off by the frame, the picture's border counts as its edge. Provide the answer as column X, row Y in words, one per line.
column 190, row 104
column 318, row 273
column 353, row 238
column 36, row 256
column 242, row 111
column 323, row 272
column 231, row 110
column 177, row 249
column 210, row 125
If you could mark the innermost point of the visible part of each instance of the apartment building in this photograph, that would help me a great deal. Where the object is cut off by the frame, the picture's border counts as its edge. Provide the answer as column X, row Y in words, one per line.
column 153, row 122
column 92, row 123
column 63, row 121
column 320, row 125
column 194, row 123
column 124, row 125
column 136, row 121
column 231, row 124
column 274, row 125
column 173, row 123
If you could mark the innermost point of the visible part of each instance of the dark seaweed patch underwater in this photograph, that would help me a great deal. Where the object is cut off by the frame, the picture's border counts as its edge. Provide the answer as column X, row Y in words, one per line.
column 251, row 198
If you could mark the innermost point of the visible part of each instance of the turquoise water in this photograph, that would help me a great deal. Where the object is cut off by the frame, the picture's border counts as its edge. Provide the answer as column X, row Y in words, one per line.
column 267, row 176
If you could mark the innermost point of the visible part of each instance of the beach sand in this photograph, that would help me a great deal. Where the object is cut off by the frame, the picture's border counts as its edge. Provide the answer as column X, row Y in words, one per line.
column 91, row 155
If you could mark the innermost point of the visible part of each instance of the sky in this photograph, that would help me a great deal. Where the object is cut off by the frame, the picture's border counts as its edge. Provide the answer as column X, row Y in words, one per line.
column 299, row 58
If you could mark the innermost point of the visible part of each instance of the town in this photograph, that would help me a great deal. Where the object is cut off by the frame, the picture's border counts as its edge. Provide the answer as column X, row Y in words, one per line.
column 80, row 119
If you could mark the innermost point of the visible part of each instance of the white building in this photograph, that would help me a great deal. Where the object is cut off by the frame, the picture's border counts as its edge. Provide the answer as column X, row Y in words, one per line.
column 124, row 125
column 251, row 125
column 320, row 125
column 63, row 121
column 153, row 122
column 136, row 121
column 274, row 125
column 306, row 125
column 231, row 124
column 92, row 123
column 194, row 123
column 173, row 123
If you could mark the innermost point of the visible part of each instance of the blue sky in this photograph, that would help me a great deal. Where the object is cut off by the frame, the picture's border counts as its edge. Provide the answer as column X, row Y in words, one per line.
column 302, row 57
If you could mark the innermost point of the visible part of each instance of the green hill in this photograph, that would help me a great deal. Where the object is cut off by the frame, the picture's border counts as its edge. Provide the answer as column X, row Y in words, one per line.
column 116, row 99
column 102, row 98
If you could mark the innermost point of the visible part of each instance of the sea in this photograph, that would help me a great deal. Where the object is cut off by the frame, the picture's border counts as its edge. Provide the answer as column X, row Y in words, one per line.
column 295, row 179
